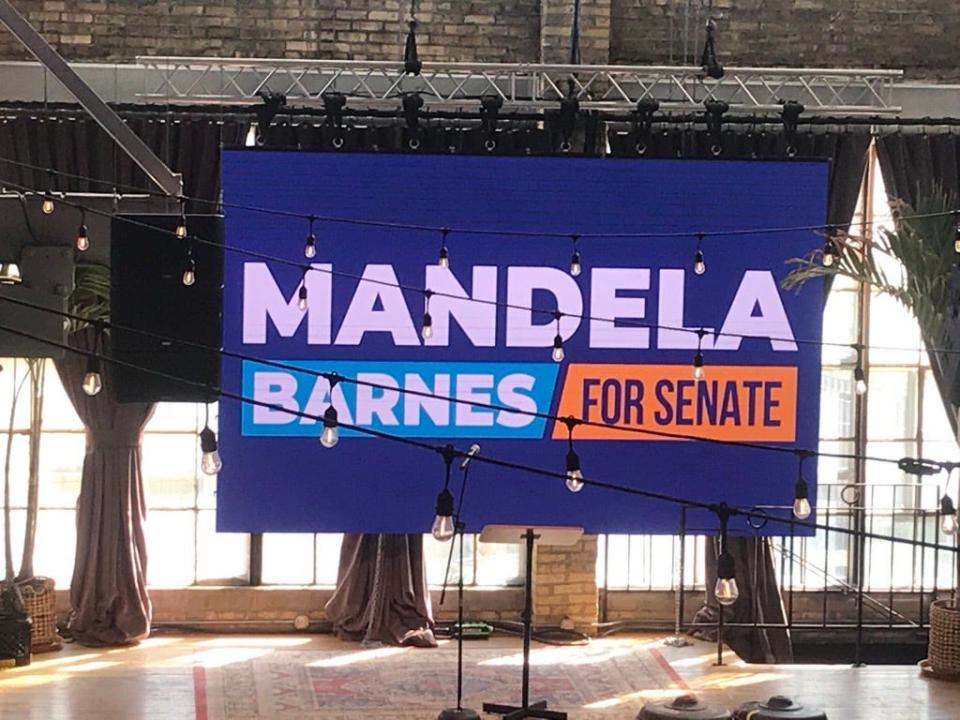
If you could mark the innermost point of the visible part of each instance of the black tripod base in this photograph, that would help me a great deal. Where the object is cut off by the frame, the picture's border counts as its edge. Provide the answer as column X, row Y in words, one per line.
column 458, row 714
column 535, row 710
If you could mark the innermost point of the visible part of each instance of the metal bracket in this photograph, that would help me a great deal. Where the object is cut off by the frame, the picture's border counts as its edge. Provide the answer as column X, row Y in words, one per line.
column 171, row 183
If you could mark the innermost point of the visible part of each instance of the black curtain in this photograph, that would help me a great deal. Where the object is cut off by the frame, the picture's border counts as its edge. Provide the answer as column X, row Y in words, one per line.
column 760, row 600
column 913, row 165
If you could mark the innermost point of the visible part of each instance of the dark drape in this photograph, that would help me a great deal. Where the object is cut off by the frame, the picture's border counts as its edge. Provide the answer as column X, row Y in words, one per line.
column 108, row 592
column 760, row 600
column 381, row 595
column 912, row 165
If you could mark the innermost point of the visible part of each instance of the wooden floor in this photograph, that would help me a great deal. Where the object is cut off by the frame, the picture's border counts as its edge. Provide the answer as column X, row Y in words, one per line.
column 172, row 677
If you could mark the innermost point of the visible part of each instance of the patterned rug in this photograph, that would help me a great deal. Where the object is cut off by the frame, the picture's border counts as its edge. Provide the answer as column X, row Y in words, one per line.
column 603, row 680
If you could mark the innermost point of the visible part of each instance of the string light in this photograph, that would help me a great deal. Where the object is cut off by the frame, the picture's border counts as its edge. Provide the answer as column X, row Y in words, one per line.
column 330, row 437
column 189, row 276
column 310, row 246
column 801, row 493
column 443, row 525
column 575, row 267
column 859, row 378
column 444, row 259
column 699, row 264
column 210, row 461
column 92, row 382
column 426, row 328
column 48, row 206
column 698, row 358
column 558, row 353
column 829, row 252
column 83, row 239
column 181, row 230
column 574, row 479
column 725, row 589
column 956, row 230
column 302, row 292
column 948, row 523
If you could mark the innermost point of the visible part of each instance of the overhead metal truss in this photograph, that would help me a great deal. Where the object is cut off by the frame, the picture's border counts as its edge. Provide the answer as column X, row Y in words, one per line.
column 234, row 81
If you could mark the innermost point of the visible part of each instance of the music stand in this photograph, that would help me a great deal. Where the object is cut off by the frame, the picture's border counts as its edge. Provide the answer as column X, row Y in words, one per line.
column 548, row 535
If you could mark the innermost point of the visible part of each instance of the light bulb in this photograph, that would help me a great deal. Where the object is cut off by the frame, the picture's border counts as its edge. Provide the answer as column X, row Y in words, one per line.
column 92, row 383
column 426, row 330
column 310, row 247
column 443, row 528
column 189, row 276
column 574, row 481
column 956, row 241
column 699, row 265
column 211, row 463
column 444, row 259
column 47, row 207
column 83, row 240
column 329, row 437
column 698, row 366
column 726, row 591
column 859, row 380
column 801, row 508
column 948, row 525
column 575, row 267
column 182, row 227
column 558, row 354
column 829, row 254
column 302, row 298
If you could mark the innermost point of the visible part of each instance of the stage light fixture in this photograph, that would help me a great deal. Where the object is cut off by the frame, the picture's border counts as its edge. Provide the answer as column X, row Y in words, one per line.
column 92, row 382
column 330, row 437
column 444, row 258
column 10, row 274
column 574, row 479
column 310, row 245
column 726, row 590
column 575, row 266
column 699, row 264
column 83, row 239
column 426, row 328
column 210, row 461
column 948, row 523
column 558, row 353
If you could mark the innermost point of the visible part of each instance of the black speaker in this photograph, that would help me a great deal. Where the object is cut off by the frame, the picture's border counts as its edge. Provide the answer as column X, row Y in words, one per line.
column 148, row 262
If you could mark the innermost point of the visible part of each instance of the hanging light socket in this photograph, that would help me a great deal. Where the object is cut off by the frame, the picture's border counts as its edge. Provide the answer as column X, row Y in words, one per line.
column 726, row 590
column 330, row 437
column 210, row 462
column 443, row 526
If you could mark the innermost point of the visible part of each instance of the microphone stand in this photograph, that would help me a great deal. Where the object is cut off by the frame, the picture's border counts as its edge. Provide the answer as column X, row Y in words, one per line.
column 459, row 712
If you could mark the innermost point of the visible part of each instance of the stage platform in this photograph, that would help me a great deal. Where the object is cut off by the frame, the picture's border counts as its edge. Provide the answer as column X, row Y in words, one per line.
column 311, row 677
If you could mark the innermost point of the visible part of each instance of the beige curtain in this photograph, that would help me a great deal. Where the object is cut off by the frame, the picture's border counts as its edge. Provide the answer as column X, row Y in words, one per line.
column 108, row 592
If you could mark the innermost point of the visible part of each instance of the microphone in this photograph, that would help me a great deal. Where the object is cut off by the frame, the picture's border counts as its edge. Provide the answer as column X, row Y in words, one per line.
column 474, row 451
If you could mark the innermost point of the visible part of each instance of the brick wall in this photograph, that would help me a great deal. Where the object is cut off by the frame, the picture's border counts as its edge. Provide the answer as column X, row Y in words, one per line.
column 919, row 36
column 565, row 584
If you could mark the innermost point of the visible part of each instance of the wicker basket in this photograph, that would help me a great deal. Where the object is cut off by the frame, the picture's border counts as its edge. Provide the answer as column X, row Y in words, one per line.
column 944, row 649
column 39, row 601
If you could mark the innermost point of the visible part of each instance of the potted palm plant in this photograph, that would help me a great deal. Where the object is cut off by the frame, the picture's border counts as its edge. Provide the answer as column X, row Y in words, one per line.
column 925, row 279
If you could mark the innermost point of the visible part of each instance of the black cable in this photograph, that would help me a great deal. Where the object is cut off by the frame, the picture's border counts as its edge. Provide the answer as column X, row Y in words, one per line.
column 623, row 322
column 722, row 510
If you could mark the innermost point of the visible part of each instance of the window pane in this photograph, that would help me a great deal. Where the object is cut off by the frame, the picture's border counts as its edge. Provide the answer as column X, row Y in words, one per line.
column 19, row 459
column 61, row 467
column 175, row 417
column 840, row 326
column 618, row 561
column 15, row 370
column 58, row 412
column 836, row 403
column 936, row 424
column 892, row 326
column 892, row 405
column 56, row 545
column 288, row 558
column 169, row 468
column 170, row 548
column 436, row 554
column 835, row 471
column 498, row 564
column 328, row 557
column 220, row 556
